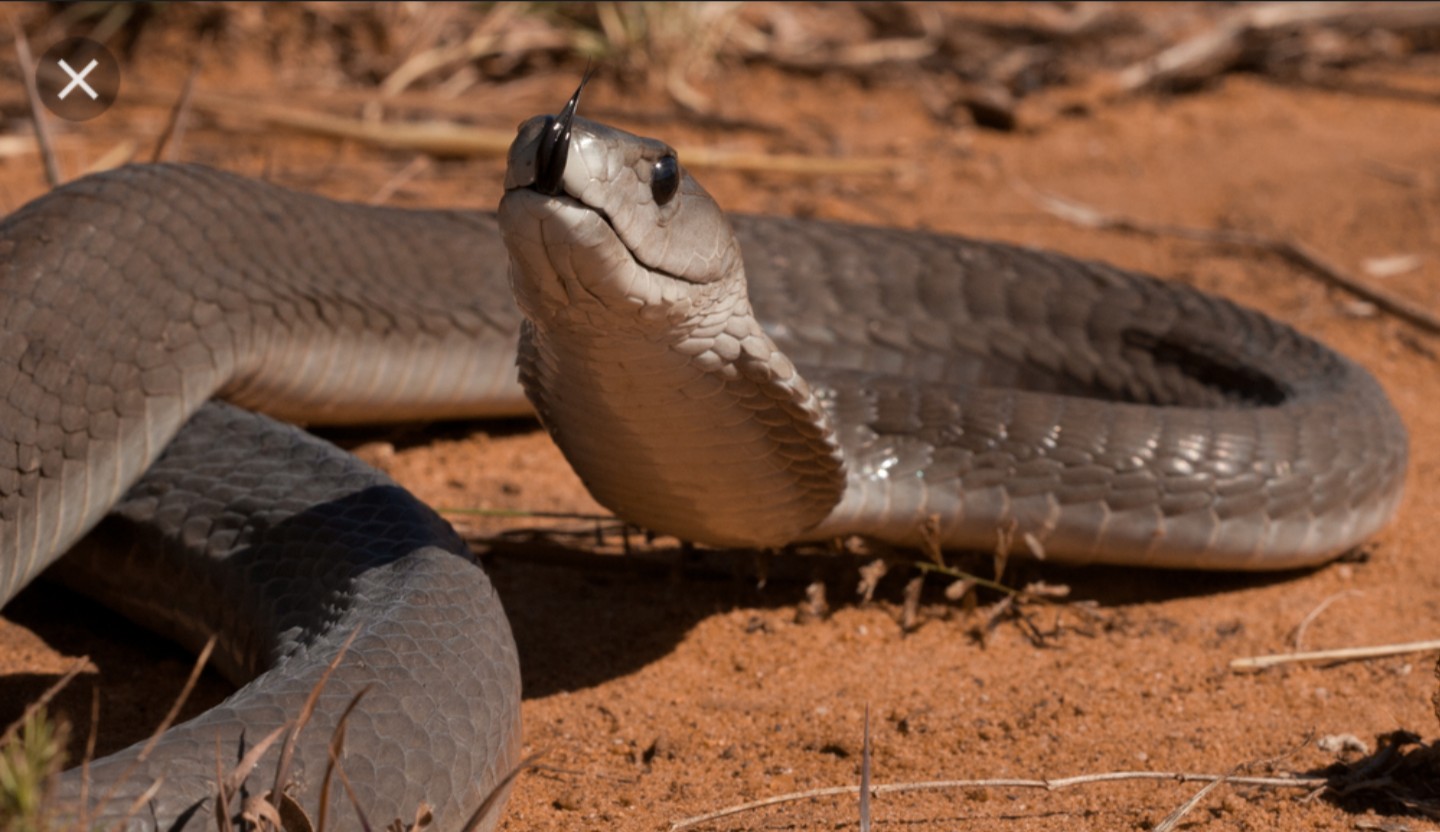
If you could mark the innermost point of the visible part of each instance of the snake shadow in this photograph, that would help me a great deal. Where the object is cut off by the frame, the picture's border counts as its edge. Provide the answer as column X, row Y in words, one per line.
column 581, row 619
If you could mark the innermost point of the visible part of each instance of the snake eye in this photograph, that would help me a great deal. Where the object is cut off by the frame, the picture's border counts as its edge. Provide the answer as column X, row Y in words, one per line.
column 665, row 180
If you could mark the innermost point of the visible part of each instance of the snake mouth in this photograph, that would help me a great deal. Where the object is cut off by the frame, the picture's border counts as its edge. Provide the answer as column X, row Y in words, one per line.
column 569, row 202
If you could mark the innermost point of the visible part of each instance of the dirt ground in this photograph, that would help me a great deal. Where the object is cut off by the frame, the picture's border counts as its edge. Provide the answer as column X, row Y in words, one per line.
column 661, row 689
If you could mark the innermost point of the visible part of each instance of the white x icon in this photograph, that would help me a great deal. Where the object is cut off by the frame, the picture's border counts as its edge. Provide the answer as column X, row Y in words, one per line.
column 78, row 80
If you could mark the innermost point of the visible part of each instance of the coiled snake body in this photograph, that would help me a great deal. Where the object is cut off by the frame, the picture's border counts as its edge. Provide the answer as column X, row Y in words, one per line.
column 901, row 385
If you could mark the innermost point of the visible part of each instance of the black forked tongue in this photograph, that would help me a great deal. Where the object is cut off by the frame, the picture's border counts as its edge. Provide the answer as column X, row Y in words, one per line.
column 554, row 147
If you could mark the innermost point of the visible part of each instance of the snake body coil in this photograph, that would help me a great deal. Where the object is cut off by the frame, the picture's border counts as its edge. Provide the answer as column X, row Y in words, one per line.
column 901, row 385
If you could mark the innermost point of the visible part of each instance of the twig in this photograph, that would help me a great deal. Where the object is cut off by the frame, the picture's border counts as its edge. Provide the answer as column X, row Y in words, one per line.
column 1343, row 654
column 37, row 116
column 1078, row 213
column 1048, row 785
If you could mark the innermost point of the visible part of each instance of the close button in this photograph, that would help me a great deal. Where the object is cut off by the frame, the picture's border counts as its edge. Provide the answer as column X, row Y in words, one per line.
column 78, row 79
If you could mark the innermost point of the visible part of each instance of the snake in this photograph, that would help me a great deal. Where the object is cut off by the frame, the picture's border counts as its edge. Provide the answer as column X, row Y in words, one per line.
column 731, row 380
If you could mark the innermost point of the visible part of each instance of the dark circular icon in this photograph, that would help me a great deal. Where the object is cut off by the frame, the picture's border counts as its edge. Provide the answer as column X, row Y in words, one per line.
column 78, row 79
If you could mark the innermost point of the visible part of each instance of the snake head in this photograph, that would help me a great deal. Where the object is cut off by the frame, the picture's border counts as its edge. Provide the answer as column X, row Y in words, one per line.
column 595, row 214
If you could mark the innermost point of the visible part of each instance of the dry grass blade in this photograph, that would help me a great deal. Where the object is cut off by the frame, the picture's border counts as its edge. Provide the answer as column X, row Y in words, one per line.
column 1183, row 809
column 32, row 97
column 222, row 796
column 492, row 801
column 137, row 804
column 414, row 168
column 43, row 700
column 354, row 798
column 1298, row 640
column 230, row 785
column 282, row 769
column 337, row 745
column 120, row 154
column 90, row 741
column 174, row 712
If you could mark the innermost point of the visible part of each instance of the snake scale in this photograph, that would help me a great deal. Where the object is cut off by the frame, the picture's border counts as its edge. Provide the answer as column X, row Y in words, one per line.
column 900, row 385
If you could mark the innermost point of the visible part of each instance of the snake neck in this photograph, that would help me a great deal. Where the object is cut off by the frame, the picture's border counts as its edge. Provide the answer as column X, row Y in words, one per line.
column 705, row 432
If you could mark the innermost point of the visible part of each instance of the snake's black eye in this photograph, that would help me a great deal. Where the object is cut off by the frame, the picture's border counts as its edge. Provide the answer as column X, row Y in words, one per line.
column 665, row 180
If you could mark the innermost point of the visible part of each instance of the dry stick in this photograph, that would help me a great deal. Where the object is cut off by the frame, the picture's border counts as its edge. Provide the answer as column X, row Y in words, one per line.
column 167, row 147
column 1048, row 785
column 445, row 138
column 1343, row 654
column 1217, row 49
column 13, row 146
column 32, row 96
column 1085, row 216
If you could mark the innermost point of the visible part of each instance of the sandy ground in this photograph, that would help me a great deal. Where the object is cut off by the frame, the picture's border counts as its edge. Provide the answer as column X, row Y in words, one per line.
column 660, row 692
